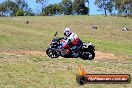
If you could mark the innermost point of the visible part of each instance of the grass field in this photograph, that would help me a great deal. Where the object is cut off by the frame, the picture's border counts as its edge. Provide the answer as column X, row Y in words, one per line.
column 23, row 63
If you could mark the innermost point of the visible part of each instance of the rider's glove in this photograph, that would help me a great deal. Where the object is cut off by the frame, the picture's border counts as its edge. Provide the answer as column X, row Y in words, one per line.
column 69, row 42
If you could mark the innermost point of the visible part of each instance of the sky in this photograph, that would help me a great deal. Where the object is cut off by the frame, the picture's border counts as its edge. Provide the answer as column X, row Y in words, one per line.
column 36, row 7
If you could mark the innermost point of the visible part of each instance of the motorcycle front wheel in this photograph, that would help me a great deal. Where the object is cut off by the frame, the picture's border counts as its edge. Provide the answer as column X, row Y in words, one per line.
column 52, row 53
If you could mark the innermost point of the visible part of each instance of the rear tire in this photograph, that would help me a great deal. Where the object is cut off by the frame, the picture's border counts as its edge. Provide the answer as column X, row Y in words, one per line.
column 88, row 55
column 93, row 54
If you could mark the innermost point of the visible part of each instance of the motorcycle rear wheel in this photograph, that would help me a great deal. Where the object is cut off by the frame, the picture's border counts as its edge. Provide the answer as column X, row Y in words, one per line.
column 88, row 55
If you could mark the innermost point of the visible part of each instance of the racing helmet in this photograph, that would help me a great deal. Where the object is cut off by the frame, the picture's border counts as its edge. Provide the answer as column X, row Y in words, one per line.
column 67, row 31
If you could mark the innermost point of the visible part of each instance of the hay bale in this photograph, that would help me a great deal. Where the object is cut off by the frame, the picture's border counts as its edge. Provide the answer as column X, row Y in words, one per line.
column 94, row 27
column 27, row 22
column 125, row 29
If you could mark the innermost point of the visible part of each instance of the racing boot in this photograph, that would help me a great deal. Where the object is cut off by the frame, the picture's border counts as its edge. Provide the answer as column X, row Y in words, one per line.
column 75, row 54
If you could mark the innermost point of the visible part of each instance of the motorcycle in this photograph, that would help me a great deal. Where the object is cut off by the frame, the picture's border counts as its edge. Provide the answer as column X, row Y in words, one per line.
column 86, row 51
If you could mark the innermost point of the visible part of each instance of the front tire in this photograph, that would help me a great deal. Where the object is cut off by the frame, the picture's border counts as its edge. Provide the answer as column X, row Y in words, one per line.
column 52, row 53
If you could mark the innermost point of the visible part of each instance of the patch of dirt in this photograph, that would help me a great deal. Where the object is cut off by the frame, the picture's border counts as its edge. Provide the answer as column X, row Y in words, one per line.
column 18, row 53
column 24, row 52
column 108, row 56
column 99, row 55
column 14, row 60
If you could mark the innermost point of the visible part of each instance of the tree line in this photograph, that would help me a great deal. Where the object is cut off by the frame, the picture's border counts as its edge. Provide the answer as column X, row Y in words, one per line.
column 15, row 8
column 110, row 6
column 65, row 7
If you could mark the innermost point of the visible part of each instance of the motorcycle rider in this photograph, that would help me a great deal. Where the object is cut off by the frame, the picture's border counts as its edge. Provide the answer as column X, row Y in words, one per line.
column 73, row 41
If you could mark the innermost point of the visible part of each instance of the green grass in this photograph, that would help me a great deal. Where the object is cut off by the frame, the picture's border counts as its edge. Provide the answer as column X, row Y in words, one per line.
column 29, row 71
column 54, row 73
column 38, row 34
column 113, row 46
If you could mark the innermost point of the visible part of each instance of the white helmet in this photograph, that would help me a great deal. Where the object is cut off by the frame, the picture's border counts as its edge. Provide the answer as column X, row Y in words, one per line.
column 67, row 31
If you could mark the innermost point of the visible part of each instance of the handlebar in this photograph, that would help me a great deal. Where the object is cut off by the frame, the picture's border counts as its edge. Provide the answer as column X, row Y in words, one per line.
column 56, row 33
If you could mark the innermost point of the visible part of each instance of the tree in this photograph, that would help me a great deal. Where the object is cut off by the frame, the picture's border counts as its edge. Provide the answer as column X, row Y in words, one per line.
column 67, row 6
column 23, row 8
column 130, row 10
column 102, row 5
column 88, row 5
column 53, row 9
column 43, row 3
column 2, row 9
column 60, row 8
column 110, row 6
column 57, row 9
column 29, row 12
column 105, row 5
column 48, row 10
column 15, row 8
column 119, row 6
column 8, row 7
column 124, row 6
column 79, row 7
column 130, row 7
column 22, row 4
column 20, row 13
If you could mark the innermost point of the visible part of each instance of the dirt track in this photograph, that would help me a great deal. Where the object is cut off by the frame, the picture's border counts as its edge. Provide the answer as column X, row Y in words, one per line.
column 99, row 55
column 24, row 52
